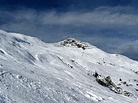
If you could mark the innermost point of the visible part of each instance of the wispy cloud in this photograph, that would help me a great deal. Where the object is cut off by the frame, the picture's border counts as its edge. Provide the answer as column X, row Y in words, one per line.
column 97, row 18
column 104, row 18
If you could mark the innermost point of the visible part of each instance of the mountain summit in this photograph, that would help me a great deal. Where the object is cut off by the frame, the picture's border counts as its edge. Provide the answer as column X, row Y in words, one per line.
column 69, row 71
column 75, row 43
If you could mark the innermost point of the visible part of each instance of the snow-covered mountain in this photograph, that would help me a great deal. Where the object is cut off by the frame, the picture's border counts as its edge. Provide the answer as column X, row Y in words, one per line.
column 69, row 71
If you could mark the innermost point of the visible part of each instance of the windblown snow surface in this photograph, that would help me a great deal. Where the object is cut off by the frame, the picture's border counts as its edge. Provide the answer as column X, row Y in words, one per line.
column 32, row 71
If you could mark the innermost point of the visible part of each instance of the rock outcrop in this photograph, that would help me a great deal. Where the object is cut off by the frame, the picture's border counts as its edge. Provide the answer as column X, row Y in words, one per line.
column 74, row 42
column 107, row 82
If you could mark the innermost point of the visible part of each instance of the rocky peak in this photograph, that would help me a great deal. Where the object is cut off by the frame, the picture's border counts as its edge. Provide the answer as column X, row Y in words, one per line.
column 76, row 43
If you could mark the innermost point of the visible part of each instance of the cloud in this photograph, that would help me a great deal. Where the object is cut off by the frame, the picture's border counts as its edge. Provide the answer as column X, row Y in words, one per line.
column 101, row 19
column 101, row 15
column 111, row 28
column 97, row 18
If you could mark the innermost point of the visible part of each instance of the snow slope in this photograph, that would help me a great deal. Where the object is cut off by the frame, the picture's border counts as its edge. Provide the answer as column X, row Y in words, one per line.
column 32, row 71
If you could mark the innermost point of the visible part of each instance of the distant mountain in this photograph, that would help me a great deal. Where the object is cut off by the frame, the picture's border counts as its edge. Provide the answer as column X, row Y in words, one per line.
column 69, row 71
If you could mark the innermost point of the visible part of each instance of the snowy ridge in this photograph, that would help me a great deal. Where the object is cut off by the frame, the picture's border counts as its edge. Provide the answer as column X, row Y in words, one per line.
column 32, row 71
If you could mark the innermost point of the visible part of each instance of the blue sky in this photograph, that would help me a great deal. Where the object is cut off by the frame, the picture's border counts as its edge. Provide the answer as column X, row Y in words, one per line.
column 111, row 25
